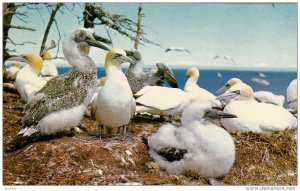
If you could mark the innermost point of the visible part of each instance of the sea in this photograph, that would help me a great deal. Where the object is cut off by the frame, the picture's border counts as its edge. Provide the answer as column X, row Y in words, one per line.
column 212, row 80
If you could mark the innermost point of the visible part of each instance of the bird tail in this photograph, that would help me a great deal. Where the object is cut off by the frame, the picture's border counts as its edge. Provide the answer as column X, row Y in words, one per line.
column 26, row 136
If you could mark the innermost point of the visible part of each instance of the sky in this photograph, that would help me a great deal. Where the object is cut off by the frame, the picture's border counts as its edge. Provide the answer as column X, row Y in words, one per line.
column 254, row 35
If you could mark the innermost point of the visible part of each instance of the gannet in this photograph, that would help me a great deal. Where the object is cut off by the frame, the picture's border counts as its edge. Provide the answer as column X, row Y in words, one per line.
column 191, row 87
column 115, row 102
column 49, row 69
column 28, row 75
column 199, row 145
column 60, row 104
column 13, row 70
column 292, row 96
column 163, row 101
column 171, row 48
column 260, row 96
column 252, row 115
column 138, row 78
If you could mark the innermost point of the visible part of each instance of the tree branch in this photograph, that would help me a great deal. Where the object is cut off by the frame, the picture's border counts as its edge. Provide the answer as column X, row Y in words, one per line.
column 21, row 27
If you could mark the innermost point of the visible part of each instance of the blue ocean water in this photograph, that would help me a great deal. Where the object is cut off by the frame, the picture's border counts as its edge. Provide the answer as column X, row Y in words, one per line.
column 211, row 80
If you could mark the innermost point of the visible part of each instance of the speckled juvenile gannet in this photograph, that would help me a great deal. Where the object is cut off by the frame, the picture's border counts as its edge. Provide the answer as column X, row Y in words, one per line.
column 197, row 93
column 158, row 100
column 28, row 75
column 292, row 95
column 199, row 145
column 49, row 69
column 60, row 104
column 254, row 116
column 260, row 96
column 115, row 102
column 138, row 78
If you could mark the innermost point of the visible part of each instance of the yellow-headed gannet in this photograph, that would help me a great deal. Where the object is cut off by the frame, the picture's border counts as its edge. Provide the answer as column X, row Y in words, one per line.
column 199, row 145
column 197, row 93
column 60, row 104
column 28, row 76
column 49, row 69
column 138, row 78
column 158, row 100
column 292, row 95
column 115, row 102
column 260, row 96
column 252, row 115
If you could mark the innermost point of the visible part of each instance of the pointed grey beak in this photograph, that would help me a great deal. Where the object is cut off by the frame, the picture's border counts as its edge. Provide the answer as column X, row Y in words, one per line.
column 97, row 44
column 228, row 95
column 20, row 58
column 123, row 59
column 217, row 114
column 222, row 89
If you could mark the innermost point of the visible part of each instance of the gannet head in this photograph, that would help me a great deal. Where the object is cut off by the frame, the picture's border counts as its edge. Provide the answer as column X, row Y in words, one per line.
column 101, row 81
column 116, row 57
column 46, row 55
column 33, row 59
column 193, row 73
column 84, row 37
column 134, row 55
column 239, row 91
column 206, row 110
column 229, row 84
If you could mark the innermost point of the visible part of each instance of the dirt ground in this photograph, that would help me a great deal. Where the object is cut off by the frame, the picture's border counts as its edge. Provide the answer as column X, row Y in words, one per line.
column 85, row 160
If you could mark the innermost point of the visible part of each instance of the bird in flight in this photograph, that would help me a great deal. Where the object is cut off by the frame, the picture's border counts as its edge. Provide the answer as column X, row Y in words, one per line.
column 171, row 48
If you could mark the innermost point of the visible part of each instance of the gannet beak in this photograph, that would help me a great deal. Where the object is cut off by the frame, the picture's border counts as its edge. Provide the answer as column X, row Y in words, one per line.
column 123, row 59
column 217, row 114
column 222, row 89
column 228, row 95
column 95, row 43
column 21, row 58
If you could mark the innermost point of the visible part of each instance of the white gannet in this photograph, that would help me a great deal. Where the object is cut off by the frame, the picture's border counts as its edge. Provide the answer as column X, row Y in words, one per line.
column 138, row 78
column 254, row 116
column 199, row 145
column 180, row 49
column 158, row 100
column 292, row 95
column 29, row 75
column 60, row 104
column 13, row 70
column 49, row 69
column 93, row 104
column 191, row 87
column 260, row 96
column 115, row 102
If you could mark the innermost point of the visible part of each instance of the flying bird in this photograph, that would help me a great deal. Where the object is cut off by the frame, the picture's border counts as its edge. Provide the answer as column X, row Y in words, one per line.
column 179, row 49
column 228, row 58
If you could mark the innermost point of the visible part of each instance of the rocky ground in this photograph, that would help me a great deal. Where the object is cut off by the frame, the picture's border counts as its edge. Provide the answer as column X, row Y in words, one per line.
column 85, row 160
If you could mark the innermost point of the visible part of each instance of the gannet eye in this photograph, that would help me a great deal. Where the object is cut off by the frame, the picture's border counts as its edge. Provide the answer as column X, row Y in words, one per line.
column 117, row 55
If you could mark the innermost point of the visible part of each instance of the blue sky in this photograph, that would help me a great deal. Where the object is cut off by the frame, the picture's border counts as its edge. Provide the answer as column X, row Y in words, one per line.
column 254, row 35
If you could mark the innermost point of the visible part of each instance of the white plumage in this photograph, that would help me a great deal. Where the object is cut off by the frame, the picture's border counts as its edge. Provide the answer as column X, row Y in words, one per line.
column 115, row 102
column 292, row 95
column 254, row 116
column 269, row 97
column 197, row 93
column 199, row 145
column 28, row 77
column 158, row 100
column 49, row 70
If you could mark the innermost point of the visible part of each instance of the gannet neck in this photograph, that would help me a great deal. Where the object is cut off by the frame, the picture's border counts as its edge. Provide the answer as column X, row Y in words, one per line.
column 35, row 62
column 136, row 67
column 76, row 57
column 46, row 55
column 112, row 70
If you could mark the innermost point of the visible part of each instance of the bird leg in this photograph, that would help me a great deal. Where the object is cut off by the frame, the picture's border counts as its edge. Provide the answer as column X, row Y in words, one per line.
column 100, row 131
